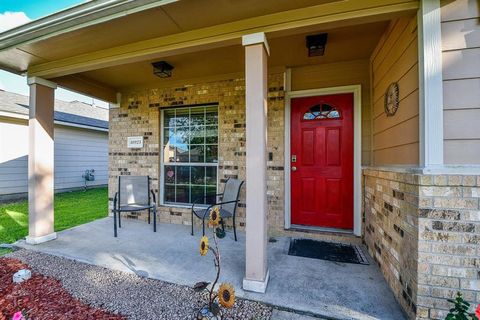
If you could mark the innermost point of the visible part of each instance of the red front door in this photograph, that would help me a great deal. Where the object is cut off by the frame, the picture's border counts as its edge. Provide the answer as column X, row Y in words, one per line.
column 322, row 161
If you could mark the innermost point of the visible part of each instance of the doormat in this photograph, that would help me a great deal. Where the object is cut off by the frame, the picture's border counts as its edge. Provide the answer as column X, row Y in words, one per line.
column 324, row 250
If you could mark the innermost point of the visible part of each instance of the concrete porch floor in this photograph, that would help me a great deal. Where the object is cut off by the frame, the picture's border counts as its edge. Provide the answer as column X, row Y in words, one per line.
column 324, row 288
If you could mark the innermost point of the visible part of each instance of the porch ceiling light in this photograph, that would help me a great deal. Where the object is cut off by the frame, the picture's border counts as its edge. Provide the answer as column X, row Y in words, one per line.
column 316, row 44
column 162, row 69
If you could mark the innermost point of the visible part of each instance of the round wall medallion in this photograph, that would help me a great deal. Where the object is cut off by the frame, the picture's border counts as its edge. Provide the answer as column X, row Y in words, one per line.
column 391, row 99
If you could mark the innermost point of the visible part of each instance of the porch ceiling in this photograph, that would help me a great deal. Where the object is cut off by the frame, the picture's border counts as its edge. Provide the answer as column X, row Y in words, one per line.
column 160, row 21
column 348, row 43
column 94, row 52
column 164, row 17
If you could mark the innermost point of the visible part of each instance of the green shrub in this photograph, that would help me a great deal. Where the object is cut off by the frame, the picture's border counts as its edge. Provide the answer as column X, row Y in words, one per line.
column 460, row 309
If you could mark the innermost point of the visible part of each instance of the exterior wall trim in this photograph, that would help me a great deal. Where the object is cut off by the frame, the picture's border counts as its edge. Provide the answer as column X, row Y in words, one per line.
column 81, row 126
column 357, row 146
column 256, row 38
column 287, row 166
column 116, row 105
column 447, row 169
column 41, row 81
column 11, row 115
column 41, row 239
column 430, row 83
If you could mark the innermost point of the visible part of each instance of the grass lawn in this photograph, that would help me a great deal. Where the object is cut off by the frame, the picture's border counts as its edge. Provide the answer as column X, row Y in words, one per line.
column 4, row 251
column 71, row 209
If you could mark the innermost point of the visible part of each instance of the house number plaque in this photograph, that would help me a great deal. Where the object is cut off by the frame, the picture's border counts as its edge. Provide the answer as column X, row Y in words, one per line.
column 135, row 142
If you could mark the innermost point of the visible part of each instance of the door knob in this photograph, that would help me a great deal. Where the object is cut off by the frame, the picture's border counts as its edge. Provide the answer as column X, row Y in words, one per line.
column 294, row 168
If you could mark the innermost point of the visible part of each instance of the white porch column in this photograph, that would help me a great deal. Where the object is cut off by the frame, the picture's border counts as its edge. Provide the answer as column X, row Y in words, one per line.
column 256, row 51
column 431, row 84
column 40, row 161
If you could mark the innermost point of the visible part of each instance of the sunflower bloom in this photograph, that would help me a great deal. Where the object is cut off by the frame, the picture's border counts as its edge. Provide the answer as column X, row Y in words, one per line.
column 226, row 295
column 214, row 217
column 203, row 245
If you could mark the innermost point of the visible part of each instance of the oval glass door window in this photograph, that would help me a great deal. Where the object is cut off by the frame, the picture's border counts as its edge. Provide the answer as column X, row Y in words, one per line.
column 321, row 111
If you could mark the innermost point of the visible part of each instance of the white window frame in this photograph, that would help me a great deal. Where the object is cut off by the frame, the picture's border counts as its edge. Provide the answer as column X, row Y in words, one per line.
column 161, row 186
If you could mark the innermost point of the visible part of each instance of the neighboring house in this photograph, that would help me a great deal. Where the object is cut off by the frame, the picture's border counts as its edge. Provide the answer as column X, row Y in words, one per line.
column 81, row 143
column 368, row 134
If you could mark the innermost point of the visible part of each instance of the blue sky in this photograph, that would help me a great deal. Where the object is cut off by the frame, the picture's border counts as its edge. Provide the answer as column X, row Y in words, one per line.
column 35, row 9
column 17, row 12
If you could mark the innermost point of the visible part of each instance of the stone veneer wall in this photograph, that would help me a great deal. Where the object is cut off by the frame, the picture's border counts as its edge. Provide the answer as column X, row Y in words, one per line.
column 424, row 233
column 449, row 242
column 138, row 115
column 390, row 230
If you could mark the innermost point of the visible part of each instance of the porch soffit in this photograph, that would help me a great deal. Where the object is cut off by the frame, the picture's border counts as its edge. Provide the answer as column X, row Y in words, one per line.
column 344, row 44
column 224, row 34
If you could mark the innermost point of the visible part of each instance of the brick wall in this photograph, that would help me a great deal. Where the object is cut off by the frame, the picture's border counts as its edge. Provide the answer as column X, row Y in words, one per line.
column 391, row 230
column 138, row 115
column 449, row 242
column 424, row 233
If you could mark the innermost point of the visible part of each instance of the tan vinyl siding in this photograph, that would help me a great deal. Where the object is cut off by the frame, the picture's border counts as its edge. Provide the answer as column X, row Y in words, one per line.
column 461, row 81
column 340, row 74
column 396, row 139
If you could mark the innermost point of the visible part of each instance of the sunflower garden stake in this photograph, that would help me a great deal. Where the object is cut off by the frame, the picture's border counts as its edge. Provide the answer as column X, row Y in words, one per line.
column 225, row 295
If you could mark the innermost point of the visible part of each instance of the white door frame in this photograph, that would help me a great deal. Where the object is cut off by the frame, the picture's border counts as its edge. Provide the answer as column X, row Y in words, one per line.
column 357, row 146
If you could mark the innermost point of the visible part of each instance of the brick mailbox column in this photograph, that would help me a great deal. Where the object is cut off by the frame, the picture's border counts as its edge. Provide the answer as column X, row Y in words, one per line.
column 256, row 51
column 40, row 161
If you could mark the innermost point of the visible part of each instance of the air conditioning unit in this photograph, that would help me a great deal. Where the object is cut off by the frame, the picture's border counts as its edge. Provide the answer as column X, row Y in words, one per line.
column 88, row 176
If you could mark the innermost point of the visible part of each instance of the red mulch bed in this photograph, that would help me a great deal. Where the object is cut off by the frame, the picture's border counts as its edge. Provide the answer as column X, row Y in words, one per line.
column 41, row 297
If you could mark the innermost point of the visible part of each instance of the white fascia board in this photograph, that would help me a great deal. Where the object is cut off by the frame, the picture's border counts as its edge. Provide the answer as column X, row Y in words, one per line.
column 82, row 126
column 13, row 115
column 61, row 123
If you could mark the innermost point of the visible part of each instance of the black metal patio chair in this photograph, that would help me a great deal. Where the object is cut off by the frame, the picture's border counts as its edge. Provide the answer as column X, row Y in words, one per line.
column 228, row 205
column 134, row 194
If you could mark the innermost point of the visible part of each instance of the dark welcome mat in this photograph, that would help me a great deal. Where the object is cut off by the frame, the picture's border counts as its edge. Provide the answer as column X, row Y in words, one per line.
column 323, row 250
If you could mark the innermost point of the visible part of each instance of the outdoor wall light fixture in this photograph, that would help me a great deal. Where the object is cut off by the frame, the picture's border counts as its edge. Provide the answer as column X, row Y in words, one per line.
column 162, row 69
column 316, row 44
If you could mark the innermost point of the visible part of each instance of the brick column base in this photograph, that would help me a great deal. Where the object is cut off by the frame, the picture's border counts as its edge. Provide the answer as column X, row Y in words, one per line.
column 424, row 233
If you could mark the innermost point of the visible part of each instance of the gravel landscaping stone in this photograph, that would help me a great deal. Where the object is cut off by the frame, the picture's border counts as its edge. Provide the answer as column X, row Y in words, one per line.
column 128, row 294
